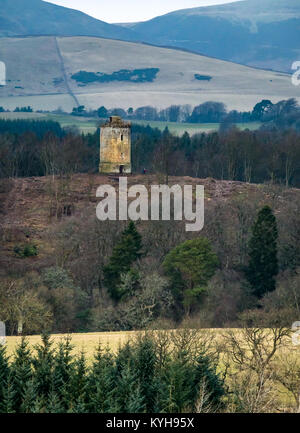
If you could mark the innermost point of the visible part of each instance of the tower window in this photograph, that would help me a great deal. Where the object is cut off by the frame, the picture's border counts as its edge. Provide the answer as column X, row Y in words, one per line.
column 122, row 137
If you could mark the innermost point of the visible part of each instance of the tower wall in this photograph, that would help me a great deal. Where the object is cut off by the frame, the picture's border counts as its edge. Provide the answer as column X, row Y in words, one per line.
column 115, row 147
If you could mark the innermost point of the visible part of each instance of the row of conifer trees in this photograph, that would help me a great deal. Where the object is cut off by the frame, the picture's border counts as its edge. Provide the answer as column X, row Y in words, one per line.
column 137, row 378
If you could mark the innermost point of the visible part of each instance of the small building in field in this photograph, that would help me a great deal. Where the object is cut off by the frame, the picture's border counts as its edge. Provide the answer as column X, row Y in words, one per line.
column 115, row 146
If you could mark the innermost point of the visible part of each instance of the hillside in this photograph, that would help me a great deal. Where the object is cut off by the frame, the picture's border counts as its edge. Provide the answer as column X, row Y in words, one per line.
column 261, row 33
column 49, row 72
column 33, row 215
column 26, row 206
column 37, row 17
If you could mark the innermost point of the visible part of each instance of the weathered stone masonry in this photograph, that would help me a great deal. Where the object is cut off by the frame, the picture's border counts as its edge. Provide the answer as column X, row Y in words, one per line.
column 115, row 146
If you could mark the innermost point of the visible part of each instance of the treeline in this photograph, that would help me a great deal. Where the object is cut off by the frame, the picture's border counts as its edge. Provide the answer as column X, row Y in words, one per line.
column 265, row 155
column 139, row 378
column 283, row 114
column 181, row 371
column 27, row 109
column 247, row 156
column 38, row 127
column 38, row 148
column 208, row 112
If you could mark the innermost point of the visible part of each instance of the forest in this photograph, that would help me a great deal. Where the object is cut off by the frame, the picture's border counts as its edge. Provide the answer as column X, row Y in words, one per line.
column 80, row 274
column 40, row 148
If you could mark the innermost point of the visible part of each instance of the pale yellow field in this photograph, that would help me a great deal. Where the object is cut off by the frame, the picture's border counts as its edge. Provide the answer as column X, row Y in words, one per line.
column 87, row 342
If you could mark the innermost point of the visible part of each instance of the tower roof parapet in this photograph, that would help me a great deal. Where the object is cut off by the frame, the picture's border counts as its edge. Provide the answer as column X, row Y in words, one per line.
column 116, row 121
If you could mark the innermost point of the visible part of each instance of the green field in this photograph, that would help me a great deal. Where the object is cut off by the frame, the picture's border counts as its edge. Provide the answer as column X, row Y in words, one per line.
column 193, row 128
column 84, row 124
column 89, row 124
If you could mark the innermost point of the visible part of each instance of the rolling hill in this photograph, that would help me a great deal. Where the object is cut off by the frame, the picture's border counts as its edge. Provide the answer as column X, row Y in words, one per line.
column 261, row 33
column 49, row 72
column 37, row 17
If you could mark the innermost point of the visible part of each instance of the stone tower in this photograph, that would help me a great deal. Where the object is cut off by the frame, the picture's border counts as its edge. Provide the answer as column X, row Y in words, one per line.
column 115, row 146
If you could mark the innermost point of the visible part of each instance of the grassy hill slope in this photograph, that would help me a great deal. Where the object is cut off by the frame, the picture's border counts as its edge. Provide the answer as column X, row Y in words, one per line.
column 263, row 33
column 40, row 70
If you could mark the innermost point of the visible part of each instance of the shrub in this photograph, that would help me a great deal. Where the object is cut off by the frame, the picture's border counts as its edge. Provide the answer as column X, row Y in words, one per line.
column 28, row 250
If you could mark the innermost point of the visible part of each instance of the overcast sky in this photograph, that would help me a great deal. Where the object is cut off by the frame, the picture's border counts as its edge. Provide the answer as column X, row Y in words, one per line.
column 123, row 11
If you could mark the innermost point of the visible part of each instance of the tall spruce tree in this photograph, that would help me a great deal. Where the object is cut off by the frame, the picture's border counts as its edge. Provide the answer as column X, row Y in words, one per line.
column 263, row 264
column 145, row 364
column 4, row 374
column 43, row 364
column 10, row 394
column 124, row 254
column 208, row 383
column 177, row 381
column 101, row 381
column 30, row 397
column 21, row 372
column 63, row 371
column 79, row 384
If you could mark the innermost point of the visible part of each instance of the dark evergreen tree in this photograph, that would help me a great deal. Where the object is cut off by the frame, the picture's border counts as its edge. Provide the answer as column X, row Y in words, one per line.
column 146, row 366
column 124, row 254
column 43, row 366
column 101, row 382
column 21, row 370
column 78, row 385
column 79, row 406
column 4, row 373
column 177, row 381
column 207, row 385
column 62, row 373
column 30, row 397
column 127, row 396
column 8, row 402
column 54, row 404
column 263, row 264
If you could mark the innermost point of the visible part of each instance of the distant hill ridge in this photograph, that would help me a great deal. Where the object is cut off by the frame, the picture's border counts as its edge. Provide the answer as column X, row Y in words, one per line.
column 37, row 17
column 260, row 33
